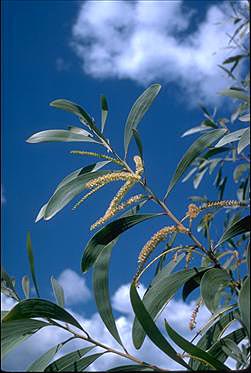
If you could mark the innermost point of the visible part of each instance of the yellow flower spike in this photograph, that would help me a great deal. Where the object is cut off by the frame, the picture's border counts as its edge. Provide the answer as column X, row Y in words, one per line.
column 225, row 203
column 120, row 194
column 139, row 165
column 93, row 154
column 193, row 321
column 105, row 179
column 87, row 196
column 193, row 211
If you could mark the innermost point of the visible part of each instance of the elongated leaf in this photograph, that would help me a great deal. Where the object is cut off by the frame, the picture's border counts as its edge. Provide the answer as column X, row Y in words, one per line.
column 244, row 301
column 58, row 136
column 31, row 262
column 213, row 334
column 162, row 289
column 130, row 368
column 41, row 363
column 245, row 118
column 15, row 332
column 212, row 283
column 138, row 142
column 216, row 350
column 82, row 364
column 67, row 360
column 193, row 350
column 193, row 130
column 101, row 290
column 238, row 95
column 192, row 284
column 239, row 227
column 58, row 292
column 79, row 130
column 198, row 178
column 107, row 234
column 239, row 170
column 244, row 141
column 26, row 286
column 104, row 112
column 150, row 327
column 193, row 152
column 67, row 192
column 230, row 137
column 73, row 175
column 79, row 111
column 7, row 286
column 30, row 308
column 137, row 112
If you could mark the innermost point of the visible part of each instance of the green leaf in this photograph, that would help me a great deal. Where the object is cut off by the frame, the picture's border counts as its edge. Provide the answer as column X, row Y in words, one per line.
column 58, row 292
column 194, row 350
column 26, row 286
column 58, row 136
column 30, row 308
column 67, row 360
column 192, row 284
column 79, row 111
column 239, row 170
column 104, row 112
column 137, row 112
column 15, row 332
column 244, row 301
column 101, row 290
column 41, row 363
column 198, row 178
column 245, row 118
column 244, row 141
column 212, row 283
column 7, row 285
column 230, row 137
column 151, row 329
column 235, row 229
column 193, row 130
column 130, row 368
column 217, row 351
column 212, row 335
column 81, row 364
column 138, row 142
column 233, row 93
column 192, row 153
column 67, row 192
column 107, row 234
column 162, row 289
column 31, row 262
column 75, row 129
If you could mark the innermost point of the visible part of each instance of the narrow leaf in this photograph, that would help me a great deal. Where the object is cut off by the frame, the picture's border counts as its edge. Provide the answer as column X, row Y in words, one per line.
column 15, row 332
column 193, row 350
column 7, row 285
column 192, row 284
column 212, row 283
column 193, row 130
column 244, row 141
column 30, row 308
column 244, row 301
column 137, row 112
column 235, row 229
column 58, row 136
column 67, row 192
column 58, row 292
column 82, row 364
column 151, row 329
column 138, row 142
column 41, row 363
column 101, row 290
column 68, row 359
column 163, row 287
column 230, row 137
column 104, row 112
column 131, row 368
column 26, row 286
column 107, row 234
column 31, row 262
column 233, row 93
column 192, row 153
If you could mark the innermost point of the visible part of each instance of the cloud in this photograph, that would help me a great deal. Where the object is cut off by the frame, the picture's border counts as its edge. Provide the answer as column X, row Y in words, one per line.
column 148, row 41
column 75, row 289
column 176, row 312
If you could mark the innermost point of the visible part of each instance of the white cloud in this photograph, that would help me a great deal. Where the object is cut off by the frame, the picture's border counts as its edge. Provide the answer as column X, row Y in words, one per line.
column 177, row 313
column 6, row 302
column 75, row 289
column 150, row 41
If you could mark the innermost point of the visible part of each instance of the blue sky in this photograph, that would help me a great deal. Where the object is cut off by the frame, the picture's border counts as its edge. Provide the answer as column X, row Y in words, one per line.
column 77, row 51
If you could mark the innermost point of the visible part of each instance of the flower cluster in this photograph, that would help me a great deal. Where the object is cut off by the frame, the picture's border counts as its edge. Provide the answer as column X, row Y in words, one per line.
column 227, row 203
column 98, row 155
column 192, row 322
column 193, row 211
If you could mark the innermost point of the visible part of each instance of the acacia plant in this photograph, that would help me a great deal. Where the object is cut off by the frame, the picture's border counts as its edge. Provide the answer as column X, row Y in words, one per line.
column 218, row 268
